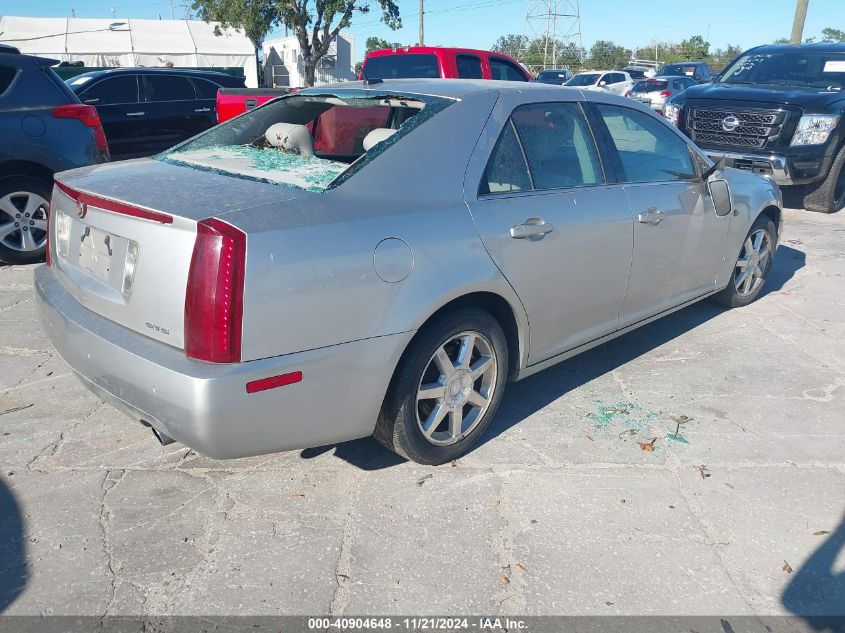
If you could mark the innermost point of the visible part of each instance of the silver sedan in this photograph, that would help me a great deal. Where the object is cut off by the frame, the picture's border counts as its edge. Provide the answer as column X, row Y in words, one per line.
column 381, row 258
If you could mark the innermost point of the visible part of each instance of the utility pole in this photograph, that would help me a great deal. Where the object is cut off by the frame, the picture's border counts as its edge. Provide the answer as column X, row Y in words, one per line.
column 172, row 12
column 798, row 22
column 422, row 27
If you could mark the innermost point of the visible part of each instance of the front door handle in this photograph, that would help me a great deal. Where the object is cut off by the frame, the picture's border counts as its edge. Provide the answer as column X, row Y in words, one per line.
column 653, row 216
column 135, row 113
column 532, row 229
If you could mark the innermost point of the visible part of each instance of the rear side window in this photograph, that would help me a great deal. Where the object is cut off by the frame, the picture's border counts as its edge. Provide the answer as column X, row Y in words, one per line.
column 558, row 145
column 506, row 170
column 469, row 67
column 166, row 88
column 7, row 76
column 402, row 67
column 648, row 150
column 205, row 89
column 122, row 89
column 504, row 70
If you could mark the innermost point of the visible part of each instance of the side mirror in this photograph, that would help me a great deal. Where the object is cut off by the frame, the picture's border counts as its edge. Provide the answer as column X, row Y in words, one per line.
column 602, row 83
column 720, row 193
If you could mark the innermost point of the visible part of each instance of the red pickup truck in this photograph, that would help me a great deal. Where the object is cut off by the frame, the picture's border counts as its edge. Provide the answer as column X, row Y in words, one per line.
column 234, row 101
column 433, row 61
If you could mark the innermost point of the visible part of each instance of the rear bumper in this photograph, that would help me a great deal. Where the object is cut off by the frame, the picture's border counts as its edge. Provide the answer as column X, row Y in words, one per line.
column 205, row 405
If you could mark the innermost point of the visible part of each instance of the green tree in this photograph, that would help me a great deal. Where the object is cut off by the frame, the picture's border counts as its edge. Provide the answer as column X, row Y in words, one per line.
column 512, row 45
column 694, row 48
column 833, row 35
column 607, row 55
column 315, row 27
column 377, row 43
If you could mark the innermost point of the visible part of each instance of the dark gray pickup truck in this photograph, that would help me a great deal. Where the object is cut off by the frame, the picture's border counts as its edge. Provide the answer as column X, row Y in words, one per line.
column 778, row 111
column 44, row 129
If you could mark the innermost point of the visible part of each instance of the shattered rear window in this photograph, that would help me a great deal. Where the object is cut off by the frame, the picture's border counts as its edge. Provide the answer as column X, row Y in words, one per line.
column 308, row 141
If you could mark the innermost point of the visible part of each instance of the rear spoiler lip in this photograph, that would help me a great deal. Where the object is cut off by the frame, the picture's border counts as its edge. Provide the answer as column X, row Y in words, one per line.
column 83, row 198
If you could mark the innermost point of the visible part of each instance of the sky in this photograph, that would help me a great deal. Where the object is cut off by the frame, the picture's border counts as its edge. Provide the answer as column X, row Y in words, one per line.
column 477, row 23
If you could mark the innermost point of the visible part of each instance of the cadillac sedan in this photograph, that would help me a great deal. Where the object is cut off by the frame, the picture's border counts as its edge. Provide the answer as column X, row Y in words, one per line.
column 381, row 258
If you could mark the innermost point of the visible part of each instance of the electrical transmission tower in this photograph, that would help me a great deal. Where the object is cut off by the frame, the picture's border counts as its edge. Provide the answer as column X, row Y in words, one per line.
column 551, row 29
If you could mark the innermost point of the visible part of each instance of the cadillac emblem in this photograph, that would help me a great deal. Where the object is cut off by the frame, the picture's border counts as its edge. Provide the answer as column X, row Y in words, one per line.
column 730, row 123
column 81, row 209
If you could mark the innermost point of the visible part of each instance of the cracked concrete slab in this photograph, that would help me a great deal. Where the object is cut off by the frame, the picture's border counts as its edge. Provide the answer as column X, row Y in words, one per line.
column 559, row 510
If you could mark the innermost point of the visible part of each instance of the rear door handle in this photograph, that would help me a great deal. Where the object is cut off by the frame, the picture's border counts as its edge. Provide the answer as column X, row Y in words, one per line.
column 203, row 110
column 135, row 113
column 653, row 216
column 532, row 229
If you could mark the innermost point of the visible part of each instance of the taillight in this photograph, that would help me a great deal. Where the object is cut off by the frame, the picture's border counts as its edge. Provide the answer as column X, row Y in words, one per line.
column 628, row 94
column 666, row 93
column 214, row 297
column 88, row 115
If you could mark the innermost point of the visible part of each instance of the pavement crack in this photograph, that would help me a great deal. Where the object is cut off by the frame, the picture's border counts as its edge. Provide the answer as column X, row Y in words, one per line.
column 513, row 591
column 343, row 565
column 111, row 479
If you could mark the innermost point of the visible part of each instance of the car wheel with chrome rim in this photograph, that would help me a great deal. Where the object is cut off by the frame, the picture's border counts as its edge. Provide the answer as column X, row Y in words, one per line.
column 446, row 389
column 24, row 210
column 752, row 266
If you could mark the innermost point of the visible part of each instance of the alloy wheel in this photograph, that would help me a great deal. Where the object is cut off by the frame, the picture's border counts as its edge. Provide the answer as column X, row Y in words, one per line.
column 456, row 388
column 752, row 263
column 23, row 221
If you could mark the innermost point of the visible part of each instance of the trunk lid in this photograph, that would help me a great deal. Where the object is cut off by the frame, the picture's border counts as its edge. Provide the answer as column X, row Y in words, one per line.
column 123, row 236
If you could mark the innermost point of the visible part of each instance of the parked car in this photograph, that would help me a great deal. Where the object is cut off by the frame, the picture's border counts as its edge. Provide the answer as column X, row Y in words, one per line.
column 558, row 76
column 234, row 101
column 613, row 81
column 776, row 111
column 699, row 71
column 657, row 92
column 640, row 72
column 434, row 61
column 246, row 293
column 147, row 110
column 44, row 129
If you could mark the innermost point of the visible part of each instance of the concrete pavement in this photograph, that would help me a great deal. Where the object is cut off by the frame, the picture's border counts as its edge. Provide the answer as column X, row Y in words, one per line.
column 690, row 468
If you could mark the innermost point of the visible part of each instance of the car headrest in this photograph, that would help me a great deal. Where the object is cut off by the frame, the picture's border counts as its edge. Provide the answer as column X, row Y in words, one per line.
column 377, row 136
column 290, row 136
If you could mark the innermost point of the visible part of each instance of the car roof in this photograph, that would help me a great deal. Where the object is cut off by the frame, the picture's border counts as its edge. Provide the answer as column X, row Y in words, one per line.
column 163, row 71
column 685, row 64
column 446, row 88
column 817, row 47
column 5, row 48
column 431, row 50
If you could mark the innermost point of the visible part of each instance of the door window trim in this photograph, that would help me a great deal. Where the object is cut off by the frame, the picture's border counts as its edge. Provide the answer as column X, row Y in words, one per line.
column 604, row 181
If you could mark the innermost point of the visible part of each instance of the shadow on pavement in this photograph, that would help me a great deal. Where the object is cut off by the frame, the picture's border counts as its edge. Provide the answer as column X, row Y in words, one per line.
column 13, row 572
column 525, row 397
column 816, row 592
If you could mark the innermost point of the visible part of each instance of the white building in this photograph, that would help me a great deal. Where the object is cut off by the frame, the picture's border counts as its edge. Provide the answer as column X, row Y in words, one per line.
column 283, row 62
column 127, row 43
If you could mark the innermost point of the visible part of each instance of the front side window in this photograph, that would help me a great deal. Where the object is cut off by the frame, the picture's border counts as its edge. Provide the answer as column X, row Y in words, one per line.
column 649, row 151
column 114, row 90
column 469, row 67
column 584, row 79
column 308, row 141
column 167, row 88
column 504, row 70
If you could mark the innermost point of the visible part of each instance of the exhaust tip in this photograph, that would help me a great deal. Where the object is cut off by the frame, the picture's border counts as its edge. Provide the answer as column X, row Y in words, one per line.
column 163, row 438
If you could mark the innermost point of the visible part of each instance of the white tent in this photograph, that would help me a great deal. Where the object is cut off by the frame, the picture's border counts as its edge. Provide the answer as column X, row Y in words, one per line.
column 127, row 43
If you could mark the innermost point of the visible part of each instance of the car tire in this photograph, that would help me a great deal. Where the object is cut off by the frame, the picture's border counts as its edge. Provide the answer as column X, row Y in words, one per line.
column 828, row 195
column 741, row 290
column 24, row 206
column 465, row 394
